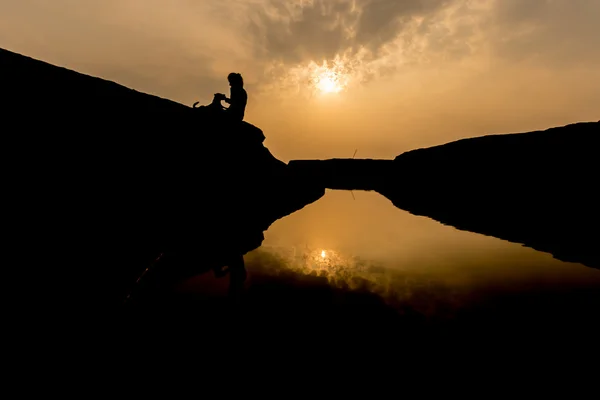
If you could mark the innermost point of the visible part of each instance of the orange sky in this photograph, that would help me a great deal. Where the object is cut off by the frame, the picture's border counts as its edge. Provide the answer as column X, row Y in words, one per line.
column 410, row 73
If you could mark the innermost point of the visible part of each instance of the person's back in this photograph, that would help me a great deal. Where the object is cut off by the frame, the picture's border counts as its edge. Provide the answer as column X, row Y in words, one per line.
column 238, row 100
column 238, row 97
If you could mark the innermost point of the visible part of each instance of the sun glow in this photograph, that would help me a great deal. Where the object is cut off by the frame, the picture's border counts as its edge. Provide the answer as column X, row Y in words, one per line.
column 319, row 79
column 329, row 78
column 328, row 82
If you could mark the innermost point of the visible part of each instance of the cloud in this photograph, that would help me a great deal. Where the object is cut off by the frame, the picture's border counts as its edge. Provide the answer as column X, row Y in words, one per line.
column 304, row 31
column 369, row 39
column 381, row 21
column 295, row 33
column 359, row 40
column 560, row 32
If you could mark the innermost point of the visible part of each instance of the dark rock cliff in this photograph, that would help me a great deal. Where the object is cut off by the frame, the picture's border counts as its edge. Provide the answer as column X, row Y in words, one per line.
column 104, row 178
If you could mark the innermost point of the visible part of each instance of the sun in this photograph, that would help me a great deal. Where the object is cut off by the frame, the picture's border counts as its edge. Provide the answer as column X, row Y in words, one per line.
column 328, row 82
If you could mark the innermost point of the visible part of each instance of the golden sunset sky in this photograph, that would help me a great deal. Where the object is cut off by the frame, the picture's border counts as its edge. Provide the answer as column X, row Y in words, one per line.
column 326, row 77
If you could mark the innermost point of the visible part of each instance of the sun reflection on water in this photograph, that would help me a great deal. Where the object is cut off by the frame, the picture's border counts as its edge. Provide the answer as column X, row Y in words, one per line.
column 329, row 263
column 423, row 292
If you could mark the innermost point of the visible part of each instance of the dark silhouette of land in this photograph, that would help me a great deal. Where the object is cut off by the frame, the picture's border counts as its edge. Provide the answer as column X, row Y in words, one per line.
column 535, row 188
column 103, row 181
column 111, row 178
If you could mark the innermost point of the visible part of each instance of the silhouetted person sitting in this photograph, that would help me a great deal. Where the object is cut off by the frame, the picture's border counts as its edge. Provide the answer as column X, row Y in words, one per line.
column 238, row 97
column 237, row 100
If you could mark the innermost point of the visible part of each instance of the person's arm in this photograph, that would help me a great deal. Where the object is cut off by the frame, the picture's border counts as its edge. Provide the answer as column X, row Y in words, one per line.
column 231, row 96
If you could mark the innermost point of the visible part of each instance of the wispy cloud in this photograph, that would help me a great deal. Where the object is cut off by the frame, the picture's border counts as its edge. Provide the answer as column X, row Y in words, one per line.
column 280, row 45
column 361, row 39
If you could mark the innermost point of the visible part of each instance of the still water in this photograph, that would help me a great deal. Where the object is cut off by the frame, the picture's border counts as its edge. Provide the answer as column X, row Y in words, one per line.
column 361, row 241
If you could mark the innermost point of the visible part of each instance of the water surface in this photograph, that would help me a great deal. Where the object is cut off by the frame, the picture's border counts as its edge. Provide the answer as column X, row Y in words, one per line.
column 359, row 242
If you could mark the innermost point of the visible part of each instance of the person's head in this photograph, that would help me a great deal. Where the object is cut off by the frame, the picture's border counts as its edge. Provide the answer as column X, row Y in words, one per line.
column 235, row 79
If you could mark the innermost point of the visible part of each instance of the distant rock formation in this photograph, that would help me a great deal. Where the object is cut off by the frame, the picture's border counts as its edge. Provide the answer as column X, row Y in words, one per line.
column 536, row 188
